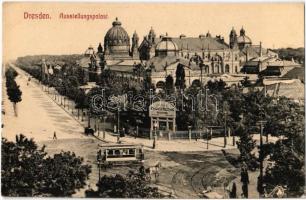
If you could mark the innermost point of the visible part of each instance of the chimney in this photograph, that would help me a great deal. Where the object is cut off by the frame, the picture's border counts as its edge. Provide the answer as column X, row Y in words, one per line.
column 260, row 49
column 201, row 36
column 182, row 36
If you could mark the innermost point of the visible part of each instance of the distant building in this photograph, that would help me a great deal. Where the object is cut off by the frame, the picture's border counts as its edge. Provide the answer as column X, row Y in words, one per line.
column 202, row 58
column 269, row 66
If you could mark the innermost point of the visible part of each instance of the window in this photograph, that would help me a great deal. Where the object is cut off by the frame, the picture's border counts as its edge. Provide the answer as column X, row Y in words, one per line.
column 227, row 68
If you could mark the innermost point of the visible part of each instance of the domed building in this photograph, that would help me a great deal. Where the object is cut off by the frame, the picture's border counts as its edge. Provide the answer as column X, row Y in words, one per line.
column 243, row 40
column 166, row 47
column 117, row 42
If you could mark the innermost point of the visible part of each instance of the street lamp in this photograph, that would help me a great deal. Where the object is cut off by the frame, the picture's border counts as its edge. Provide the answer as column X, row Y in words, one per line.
column 118, row 121
column 99, row 159
column 225, row 128
column 104, row 118
column 206, row 137
column 260, row 178
column 155, row 135
column 189, row 132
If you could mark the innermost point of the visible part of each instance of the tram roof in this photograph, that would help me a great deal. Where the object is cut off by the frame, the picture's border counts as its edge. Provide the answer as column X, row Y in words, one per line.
column 119, row 146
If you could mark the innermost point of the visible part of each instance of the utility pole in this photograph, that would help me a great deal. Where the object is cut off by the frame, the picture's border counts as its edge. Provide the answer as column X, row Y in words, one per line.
column 99, row 163
column 104, row 118
column 260, row 178
column 118, row 121
column 225, row 129
column 155, row 135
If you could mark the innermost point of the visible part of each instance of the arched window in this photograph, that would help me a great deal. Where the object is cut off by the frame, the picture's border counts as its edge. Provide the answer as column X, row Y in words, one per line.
column 227, row 68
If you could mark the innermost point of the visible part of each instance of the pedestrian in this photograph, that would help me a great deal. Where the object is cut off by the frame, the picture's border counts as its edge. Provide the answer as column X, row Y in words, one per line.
column 54, row 136
column 118, row 138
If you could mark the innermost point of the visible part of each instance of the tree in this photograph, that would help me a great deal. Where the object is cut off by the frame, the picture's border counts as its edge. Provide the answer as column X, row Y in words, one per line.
column 286, row 121
column 81, row 102
column 246, row 145
column 216, row 86
column 133, row 185
column 13, row 91
column 180, row 77
column 169, row 87
column 28, row 171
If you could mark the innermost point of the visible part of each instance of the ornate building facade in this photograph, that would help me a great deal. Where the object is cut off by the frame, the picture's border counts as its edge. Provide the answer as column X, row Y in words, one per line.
column 203, row 57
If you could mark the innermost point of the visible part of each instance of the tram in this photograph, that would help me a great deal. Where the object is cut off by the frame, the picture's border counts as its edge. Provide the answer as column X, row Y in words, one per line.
column 116, row 154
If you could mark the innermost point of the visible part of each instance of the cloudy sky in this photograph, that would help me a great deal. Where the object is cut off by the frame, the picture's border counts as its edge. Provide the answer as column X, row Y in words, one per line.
column 275, row 24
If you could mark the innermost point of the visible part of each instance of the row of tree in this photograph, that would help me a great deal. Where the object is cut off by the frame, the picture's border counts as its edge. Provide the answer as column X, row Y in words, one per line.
column 13, row 91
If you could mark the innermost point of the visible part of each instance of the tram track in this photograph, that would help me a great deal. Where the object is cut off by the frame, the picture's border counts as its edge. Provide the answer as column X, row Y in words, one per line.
column 196, row 189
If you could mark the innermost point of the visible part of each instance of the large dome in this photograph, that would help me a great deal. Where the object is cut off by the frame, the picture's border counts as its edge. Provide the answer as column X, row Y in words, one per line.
column 243, row 39
column 166, row 47
column 116, row 40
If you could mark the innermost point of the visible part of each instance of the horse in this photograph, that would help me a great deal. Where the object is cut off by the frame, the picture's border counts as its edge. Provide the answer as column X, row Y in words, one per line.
column 154, row 170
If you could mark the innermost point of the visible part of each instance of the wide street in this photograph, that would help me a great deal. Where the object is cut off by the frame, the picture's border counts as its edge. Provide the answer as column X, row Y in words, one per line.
column 187, row 167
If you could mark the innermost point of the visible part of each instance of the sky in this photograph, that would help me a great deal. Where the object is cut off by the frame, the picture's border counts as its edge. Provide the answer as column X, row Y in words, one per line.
column 274, row 24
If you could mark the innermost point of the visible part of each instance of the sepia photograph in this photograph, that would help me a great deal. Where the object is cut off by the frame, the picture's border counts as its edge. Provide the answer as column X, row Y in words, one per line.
column 153, row 100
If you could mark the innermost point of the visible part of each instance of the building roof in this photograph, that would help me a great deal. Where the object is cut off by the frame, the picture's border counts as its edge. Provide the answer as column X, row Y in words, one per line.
column 161, row 62
column 193, row 43
column 283, row 63
column 292, row 88
column 250, row 50
column 296, row 73
column 116, row 35
column 166, row 44
column 121, row 68
column 244, row 39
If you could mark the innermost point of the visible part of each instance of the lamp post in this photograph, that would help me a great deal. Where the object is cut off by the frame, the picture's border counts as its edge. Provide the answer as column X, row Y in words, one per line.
column 104, row 118
column 155, row 135
column 207, row 138
column 189, row 132
column 64, row 101
column 99, row 159
column 118, row 121
column 260, row 178
column 225, row 128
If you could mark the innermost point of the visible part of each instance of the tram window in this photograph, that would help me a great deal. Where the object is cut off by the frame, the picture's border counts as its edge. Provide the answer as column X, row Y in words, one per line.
column 110, row 152
column 131, row 151
column 117, row 152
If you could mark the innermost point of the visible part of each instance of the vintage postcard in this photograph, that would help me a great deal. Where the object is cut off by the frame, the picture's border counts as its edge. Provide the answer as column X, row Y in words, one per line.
column 153, row 100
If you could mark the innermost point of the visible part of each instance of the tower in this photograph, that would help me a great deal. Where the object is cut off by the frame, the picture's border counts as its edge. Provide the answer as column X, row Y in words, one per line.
column 233, row 39
column 100, row 48
column 242, row 32
column 208, row 34
column 152, row 36
column 134, row 51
